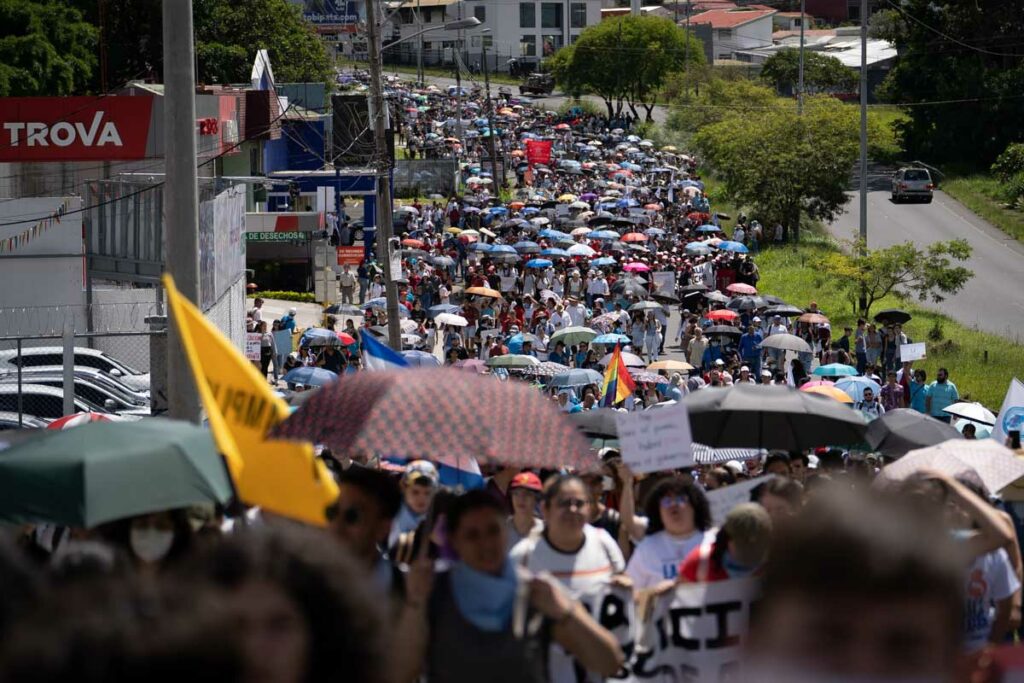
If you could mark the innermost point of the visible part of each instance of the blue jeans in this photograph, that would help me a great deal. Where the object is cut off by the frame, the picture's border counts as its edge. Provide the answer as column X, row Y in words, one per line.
column 862, row 361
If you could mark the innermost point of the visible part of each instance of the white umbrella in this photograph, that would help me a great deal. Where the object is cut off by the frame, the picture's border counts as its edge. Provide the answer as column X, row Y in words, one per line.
column 407, row 209
column 540, row 221
column 451, row 319
column 995, row 464
column 581, row 249
column 408, row 325
column 630, row 359
column 972, row 411
column 786, row 342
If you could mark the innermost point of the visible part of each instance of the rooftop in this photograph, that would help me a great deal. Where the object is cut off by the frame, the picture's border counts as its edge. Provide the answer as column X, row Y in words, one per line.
column 733, row 17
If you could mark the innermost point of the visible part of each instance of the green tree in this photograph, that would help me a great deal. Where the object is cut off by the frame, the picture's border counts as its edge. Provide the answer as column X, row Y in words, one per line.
column 626, row 61
column 46, row 48
column 227, row 35
column 966, row 55
column 718, row 99
column 902, row 269
column 822, row 73
column 782, row 165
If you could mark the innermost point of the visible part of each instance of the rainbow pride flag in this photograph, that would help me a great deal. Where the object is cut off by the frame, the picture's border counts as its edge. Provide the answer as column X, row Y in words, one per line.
column 618, row 384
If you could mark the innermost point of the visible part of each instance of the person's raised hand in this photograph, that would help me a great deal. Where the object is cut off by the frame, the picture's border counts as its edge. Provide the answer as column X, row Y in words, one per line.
column 419, row 580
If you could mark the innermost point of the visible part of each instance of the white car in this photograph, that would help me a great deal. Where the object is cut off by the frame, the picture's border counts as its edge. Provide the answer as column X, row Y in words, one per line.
column 37, row 356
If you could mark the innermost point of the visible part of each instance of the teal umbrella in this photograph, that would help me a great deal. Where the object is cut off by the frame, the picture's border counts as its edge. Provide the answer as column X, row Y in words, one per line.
column 835, row 370
column 105, row 471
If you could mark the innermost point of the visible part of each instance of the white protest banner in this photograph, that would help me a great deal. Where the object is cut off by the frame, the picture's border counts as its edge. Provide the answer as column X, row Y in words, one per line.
column 615, row 609
column 696, row 633
column 656, row 440
column 396, row 267
column 726, row 498
column 508, row 283
column 664, row 281
column 252, row 345
column 909, row 352
column 1011, row 415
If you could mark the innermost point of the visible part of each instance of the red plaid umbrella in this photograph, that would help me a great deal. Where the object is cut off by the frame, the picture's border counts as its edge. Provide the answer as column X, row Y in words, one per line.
column 439, row 413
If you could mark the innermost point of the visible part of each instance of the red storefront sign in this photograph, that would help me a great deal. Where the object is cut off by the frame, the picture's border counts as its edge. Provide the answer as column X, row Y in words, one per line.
column 74, row 128
column 351, row 256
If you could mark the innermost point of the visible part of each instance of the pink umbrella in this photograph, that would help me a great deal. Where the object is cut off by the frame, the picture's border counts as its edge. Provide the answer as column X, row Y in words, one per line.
column 472, row 365
column 636, row 267
column 741, row 288
column 817, row 383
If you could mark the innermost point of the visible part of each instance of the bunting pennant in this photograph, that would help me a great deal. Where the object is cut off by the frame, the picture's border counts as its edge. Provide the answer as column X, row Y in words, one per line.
column 9, row 244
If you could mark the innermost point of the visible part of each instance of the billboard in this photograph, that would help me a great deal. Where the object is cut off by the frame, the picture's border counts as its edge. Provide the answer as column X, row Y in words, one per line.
column 74, row 128
column 330, row 13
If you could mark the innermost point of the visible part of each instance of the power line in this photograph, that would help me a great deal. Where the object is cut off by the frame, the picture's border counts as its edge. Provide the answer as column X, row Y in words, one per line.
column 949, row 37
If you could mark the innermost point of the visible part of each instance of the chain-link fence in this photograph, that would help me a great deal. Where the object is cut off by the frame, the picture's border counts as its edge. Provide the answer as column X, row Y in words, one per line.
column 110, row 372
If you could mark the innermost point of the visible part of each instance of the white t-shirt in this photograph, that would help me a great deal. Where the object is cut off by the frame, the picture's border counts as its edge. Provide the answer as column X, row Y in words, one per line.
column 990, row 578
column 658, row 557
column 592, row 565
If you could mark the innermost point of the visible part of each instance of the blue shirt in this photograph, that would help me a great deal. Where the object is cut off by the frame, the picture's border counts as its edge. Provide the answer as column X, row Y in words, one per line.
column 918, row 390
column 711, row 354
column 943, row 396
column 749, row 345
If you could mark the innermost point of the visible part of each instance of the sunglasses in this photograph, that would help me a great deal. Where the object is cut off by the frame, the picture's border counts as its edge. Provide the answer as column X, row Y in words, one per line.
column 570, row 503
column 669, row 501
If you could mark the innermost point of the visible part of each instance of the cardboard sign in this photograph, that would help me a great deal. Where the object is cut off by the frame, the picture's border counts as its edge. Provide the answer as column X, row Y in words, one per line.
column 664, row 281
column 656, row 440
column 910, row 352
column 252, row 345
column 726, row 498
column 696, row 633
column 352, row 256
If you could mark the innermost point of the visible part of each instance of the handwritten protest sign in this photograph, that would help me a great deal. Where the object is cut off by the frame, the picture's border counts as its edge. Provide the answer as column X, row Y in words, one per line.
column 910, row 352
column 655, row 440
column 724, row 499
column 252, row 345
column 664, row 282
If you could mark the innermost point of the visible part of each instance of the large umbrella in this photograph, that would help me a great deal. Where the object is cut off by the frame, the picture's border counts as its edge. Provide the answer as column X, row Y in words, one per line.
column 786, row 342
column 474, row 365
column 903, row 429
column 442, row 308
column 892, row 316
column 746, row 303
column 670, row 366
column 79, row 420
column 630, row 359
column 994, row 463
column 346, row 309
column 784, row 310
column 612, row 338
column 512, row 360
column 577, row 377
column 723, row 330
column 723, row 314
column 855, row 386
column 546, row 369
column 749, row 416
column 741, row 288
column 598, row 423
column 450, row 319
column 828, row 389
column 645, row 306
column 421, row 359
column 835, row 370
column 484, row 291
column 813, row 319
column 310, row 376
column 441, row 415
column 570, row 336
column 975, row 412
column 107, row 471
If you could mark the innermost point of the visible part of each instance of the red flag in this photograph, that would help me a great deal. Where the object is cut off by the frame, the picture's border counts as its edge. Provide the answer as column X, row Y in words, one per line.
column 538, row 152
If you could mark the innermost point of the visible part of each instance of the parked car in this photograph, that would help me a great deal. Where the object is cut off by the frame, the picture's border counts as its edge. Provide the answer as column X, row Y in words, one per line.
column 912, row 183
column 37, row 356
column 40, row 401
column 96, row 393
column 9, row 420
column 114, row 384
column 537, row 84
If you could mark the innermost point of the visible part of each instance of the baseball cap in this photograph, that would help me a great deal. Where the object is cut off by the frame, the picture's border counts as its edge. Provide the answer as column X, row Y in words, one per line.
column 719, row 361
column 735, row 466
column 744, row 369
column 526, row 480
column 421, row 472
column 766, row 373
column 757, row 319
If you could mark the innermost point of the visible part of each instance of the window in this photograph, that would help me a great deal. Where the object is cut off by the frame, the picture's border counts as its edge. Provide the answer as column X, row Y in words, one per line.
column 527, row 15
column 480, row 12
column 550, row 15
column 488, row 41
column 528, row 45
column 578, row 15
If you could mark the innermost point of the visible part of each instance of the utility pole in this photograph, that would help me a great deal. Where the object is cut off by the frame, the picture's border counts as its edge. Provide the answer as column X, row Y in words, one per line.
column 419, row 52
column 863, row 139
column 181, row 194
column 384, row 224
column 490, row 126
column 800, row 84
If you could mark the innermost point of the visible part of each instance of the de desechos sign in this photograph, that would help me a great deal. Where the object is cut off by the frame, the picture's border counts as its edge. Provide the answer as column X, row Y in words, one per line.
column 74, row 128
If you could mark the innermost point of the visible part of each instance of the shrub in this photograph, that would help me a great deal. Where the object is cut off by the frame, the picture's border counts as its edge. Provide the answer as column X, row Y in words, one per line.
column 1010, row 163
column 301, row 297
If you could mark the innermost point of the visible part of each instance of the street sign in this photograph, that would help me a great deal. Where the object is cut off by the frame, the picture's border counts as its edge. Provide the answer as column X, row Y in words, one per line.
column 276, row 236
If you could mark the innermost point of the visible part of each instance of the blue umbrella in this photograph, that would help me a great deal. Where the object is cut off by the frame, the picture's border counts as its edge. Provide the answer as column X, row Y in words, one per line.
column 515, row 343
column 379, row 302
column 317, row 334
column 625, row 203
column 855, row 386
column 692, row 183
column 835, row 370
column 503, row 249
column 480, row 246
column 310, row 376
column 538, row 263
column 526, row 247
column 530, row 210
column 576, row 378
column 421, row 359
column 442, row 308
column 603, row 235
column 554, row 251
column 611, row 338
column 603, row 261
column 443, row 261
column 554, row 234
column 698, row 248
column 709, row 228
column 738, row 247
column 498, row 210
column 654, row 232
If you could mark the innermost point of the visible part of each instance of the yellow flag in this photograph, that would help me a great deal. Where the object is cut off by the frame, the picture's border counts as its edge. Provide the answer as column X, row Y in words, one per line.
column 280, row 476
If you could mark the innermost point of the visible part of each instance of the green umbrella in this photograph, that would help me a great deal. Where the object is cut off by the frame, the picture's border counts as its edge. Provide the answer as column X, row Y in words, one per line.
column 105, row 471
column 512, row 360
column 570, row 336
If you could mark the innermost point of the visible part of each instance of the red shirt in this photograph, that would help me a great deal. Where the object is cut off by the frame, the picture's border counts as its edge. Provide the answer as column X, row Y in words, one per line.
column 690, row 567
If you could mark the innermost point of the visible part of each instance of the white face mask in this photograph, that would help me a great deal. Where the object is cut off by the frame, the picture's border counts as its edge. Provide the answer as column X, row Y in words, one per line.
column 151, row 545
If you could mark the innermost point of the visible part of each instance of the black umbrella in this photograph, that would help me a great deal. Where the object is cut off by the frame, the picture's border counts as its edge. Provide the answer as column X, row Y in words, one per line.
column 892, row 316
column 746, row 303
column 723, row 330
column 773, row 300
column 627, row 288
column 666, row 297
column 758, row 416
column 343, row 309
column 695, row 287
column 785, row 311
column 903, row 429
column 599, row 220
column 596, row 423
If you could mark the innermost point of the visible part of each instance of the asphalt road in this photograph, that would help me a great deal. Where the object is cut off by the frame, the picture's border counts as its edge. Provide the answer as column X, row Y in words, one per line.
column 553, row 101
column 993, row 300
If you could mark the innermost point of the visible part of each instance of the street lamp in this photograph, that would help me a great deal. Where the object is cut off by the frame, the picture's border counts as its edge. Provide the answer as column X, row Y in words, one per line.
column 457, row 25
